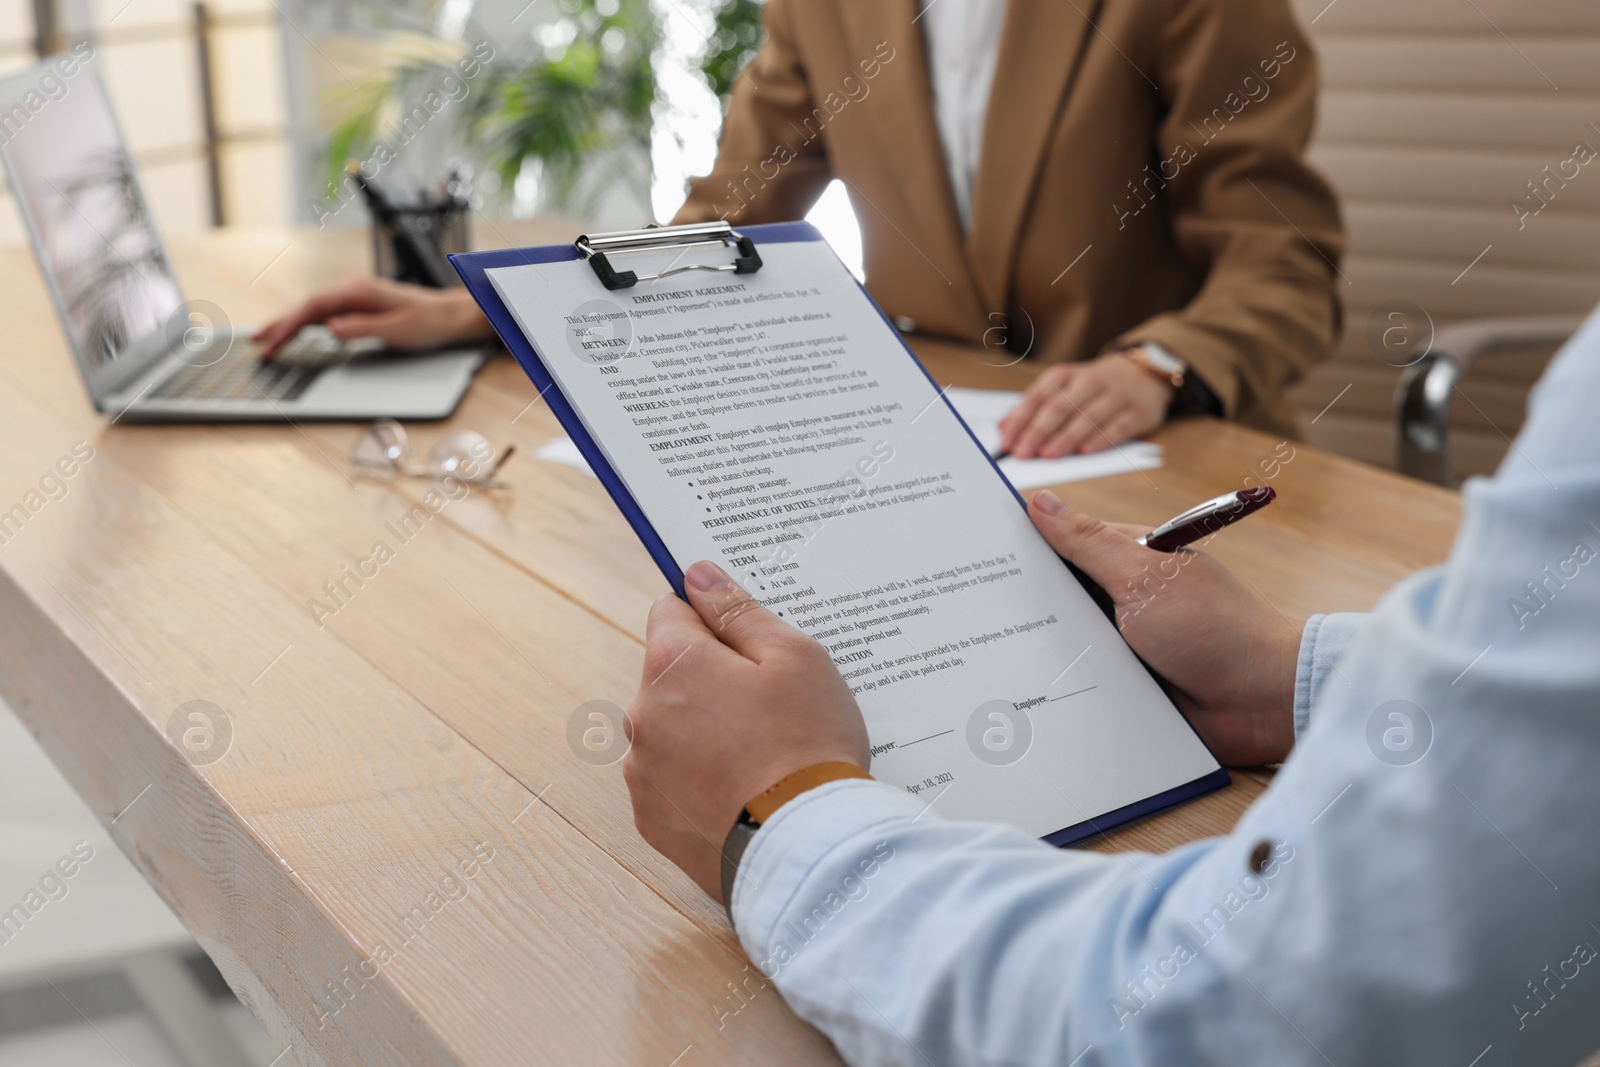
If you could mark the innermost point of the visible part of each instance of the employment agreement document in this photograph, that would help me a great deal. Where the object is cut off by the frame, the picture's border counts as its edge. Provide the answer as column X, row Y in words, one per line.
column 774, row 423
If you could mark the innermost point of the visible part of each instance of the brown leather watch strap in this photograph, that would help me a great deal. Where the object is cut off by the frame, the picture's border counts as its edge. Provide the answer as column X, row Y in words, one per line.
column 761, row 808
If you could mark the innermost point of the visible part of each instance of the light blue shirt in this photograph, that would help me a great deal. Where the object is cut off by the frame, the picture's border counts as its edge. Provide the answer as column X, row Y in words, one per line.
column 1431, row 886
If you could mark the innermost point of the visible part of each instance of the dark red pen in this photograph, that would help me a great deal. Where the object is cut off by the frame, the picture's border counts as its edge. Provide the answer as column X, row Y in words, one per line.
column 1207, row 518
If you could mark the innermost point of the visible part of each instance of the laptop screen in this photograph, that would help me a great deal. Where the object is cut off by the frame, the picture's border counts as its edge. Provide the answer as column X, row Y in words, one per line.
column 74, row 180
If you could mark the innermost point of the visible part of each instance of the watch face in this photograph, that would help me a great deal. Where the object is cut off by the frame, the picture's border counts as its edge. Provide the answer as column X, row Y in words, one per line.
column 1163, row 361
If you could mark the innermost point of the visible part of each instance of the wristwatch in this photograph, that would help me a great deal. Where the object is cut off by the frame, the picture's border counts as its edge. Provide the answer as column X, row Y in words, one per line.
column 1190, row 394
column 765, row 805
column 1156, row 360
column 733, row 846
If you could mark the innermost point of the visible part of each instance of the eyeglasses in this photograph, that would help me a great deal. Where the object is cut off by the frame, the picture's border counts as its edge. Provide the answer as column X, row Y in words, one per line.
column 467, row 456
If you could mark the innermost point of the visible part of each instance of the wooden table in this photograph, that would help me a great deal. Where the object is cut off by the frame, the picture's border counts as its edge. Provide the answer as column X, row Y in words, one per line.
column 399, row 859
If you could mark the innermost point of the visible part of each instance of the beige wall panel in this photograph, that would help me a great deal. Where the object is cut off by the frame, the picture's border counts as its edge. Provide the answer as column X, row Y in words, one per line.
column 1485, row 178
column 155, row 88
column 255, row 181
column 141, row 14
column 1354, row 387
column 179, row 195
column 1472, row 64
column 1367, row 439
column 247, row 64
column 1547, row 123
column 1487, row 289
column 1554, row 239
column 16, row 25
column 1448, row 16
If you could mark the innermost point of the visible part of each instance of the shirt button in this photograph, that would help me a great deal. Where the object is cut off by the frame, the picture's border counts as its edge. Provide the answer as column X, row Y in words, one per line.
column 1260, row 855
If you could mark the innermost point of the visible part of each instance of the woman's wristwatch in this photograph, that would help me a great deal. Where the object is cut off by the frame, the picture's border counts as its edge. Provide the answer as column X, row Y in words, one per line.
column 762, row 807
column 1190, row 394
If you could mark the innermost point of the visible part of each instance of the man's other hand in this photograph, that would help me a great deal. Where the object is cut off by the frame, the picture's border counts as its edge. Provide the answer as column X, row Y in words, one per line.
column 732, row 700
column 1227, row 656
column 400, row 315
column 1085, row 407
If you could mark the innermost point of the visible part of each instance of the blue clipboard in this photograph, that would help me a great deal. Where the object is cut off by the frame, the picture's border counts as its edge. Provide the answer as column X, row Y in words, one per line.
column 472, row 266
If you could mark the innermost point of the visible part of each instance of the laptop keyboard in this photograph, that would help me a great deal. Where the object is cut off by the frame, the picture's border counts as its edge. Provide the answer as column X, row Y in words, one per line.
column 316, row 345
column 236, row 376
column 237, row 372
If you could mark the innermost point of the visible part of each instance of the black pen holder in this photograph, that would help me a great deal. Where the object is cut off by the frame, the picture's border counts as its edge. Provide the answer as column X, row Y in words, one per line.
column 411, row 243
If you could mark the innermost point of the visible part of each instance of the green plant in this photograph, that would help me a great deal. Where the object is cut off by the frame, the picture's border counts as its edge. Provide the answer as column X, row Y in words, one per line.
column 590, row 86
column 593, row 93
column 405, row 67
column 734, row 42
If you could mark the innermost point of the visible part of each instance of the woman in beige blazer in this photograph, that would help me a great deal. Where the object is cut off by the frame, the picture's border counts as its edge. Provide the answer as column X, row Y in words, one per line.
column 1139, row 214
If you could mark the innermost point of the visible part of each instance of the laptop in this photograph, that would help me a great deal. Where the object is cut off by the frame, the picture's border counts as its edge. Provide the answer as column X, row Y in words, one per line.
column 145, row 353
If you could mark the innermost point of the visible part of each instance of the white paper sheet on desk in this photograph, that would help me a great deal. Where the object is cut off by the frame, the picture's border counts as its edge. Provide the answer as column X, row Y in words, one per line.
column 561, row 450
column 982, row 410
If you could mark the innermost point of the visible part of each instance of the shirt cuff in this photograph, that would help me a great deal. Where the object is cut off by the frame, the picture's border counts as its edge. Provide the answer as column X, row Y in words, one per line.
column 802, row 832
column 1325, row 639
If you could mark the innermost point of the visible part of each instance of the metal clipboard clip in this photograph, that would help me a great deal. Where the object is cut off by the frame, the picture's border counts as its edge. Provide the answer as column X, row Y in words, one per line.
column 597, row 248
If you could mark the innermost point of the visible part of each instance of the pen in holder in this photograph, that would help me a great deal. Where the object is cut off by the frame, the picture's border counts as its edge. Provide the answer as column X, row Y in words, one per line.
column 410, row 241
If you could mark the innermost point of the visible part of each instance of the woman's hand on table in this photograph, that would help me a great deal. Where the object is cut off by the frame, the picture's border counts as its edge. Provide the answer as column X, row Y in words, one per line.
column 1085, row 407
column 402, row 316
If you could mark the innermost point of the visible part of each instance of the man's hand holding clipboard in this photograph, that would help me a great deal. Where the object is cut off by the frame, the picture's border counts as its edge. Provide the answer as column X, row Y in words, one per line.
column 744, row 402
